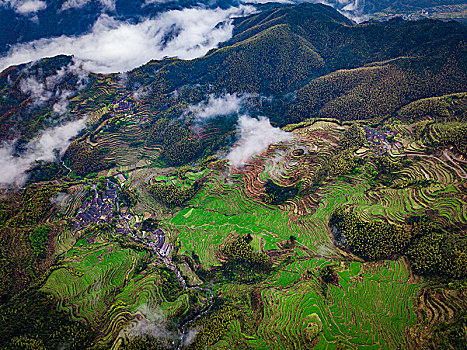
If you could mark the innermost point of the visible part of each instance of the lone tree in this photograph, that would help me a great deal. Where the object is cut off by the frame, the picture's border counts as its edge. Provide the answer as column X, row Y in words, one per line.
column 326, row 274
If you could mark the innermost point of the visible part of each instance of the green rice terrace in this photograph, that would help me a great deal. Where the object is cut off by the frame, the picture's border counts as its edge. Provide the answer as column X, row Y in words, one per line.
column 312, row 212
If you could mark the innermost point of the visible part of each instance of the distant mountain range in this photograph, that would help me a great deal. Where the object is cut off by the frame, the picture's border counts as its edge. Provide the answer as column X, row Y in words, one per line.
column 28, row 20
column 313, row 60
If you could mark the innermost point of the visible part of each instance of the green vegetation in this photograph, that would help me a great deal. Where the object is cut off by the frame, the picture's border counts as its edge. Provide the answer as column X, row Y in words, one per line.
column 369, row 240
column 85, row 160
column 244, row 258
column 128, row 196
column 327, row 274
column 242, row 264
column 213, row 327
column 145, row 342
column 32, row 322
column 172, row 194
column 24, row 237
column 240, row 251
column 452, row 335
column 179, row 145
column 39, row 239
column 352, row 138
column 276, row 195
column 436, row 253
column 342, row 163
column 450, row 135
column 431, row 250
column 440, row 108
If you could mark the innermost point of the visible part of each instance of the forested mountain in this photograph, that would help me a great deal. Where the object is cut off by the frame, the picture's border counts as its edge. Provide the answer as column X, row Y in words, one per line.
column 330, row 64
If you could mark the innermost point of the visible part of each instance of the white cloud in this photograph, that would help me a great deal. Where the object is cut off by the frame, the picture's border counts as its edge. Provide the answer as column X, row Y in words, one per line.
column 266, row 1
column 74, row 4
column 190, row 336
column 24, row 7
column 256, row 135
column 31, row 6
column 153, row 324
column 218, row 106
column 352, row 9
column 61, row 107
column 149, row 2
column 37, row 91
column 117, row 46
column 142, row 92
column 77, row 4
column 41, row 92
column 41, row 148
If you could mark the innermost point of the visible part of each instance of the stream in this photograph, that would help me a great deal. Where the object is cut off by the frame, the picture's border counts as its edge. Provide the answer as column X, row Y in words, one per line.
column 64, row 165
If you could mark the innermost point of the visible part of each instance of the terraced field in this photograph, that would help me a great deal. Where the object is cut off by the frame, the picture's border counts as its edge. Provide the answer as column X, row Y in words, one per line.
column 91, row 275
column 371, row 307
column 374, row 305
column 97, row 283
column 302, row 185
column 213, row 218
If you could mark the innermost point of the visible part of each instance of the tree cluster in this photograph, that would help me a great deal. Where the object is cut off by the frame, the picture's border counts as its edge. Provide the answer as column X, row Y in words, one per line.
column 327, row 274
column 213, row 327
column 179, row 145
column 128, row 196
column 370, row 240
column 144, row 342
column 39, row 239
column 243, row 264
column 32, row 322
column 173, row 195
column 435, row 252
column 431, row 250
column 277, row 195
column 342, row 163
column 85, row 160
column 452, row 135
column 438, row 108
column 240, row 250
column 353, row 137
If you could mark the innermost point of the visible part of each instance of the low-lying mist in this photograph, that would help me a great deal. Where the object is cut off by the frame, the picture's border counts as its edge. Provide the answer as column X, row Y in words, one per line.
column 42, row 148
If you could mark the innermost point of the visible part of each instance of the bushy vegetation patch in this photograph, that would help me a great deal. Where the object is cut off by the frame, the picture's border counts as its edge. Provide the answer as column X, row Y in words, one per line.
column 369, row 240
column 276, row 195
column 85, row 160
column 173, row 194
column 214, row 326
column 39, row 239
column 32, row 322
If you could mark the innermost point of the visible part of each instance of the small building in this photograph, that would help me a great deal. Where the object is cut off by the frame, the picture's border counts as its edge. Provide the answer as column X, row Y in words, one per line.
column 166, row 249
column 160, row 243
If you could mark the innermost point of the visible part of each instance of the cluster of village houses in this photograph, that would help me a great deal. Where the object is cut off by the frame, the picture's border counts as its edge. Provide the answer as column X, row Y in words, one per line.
column 379, row 138
column 99, row 209
column 157, row 241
